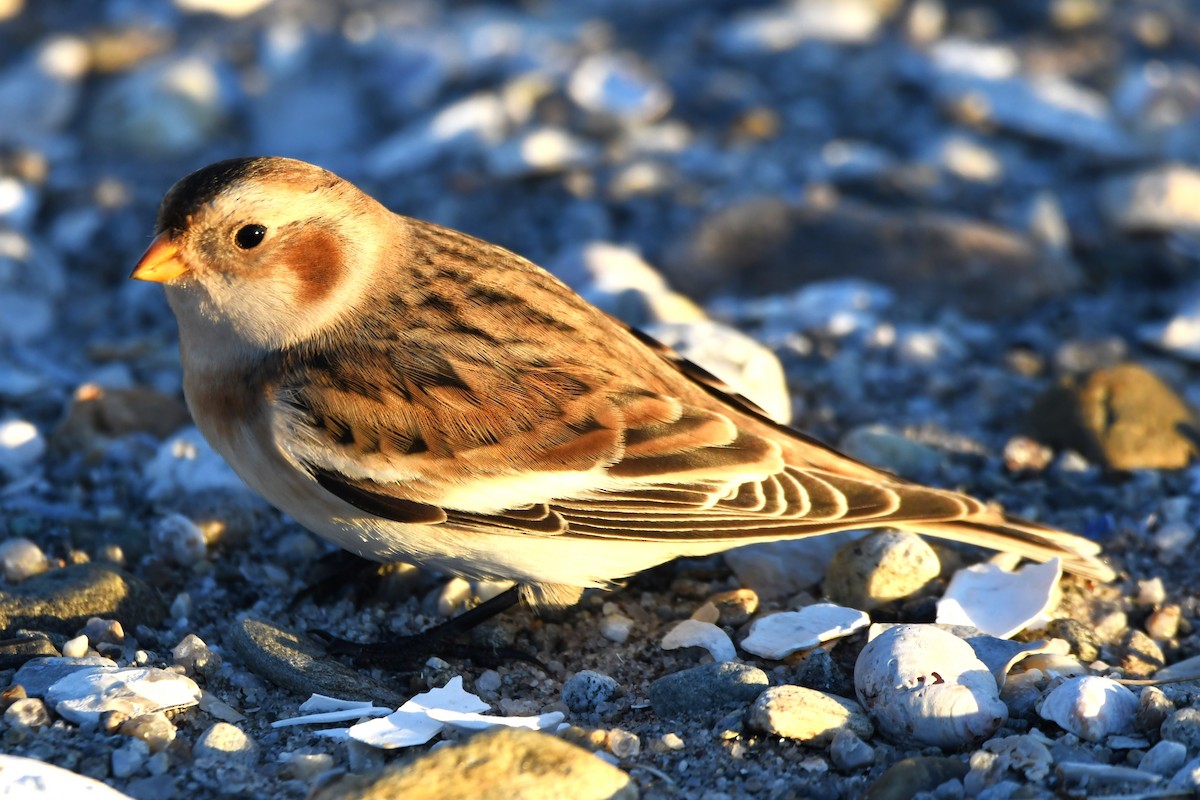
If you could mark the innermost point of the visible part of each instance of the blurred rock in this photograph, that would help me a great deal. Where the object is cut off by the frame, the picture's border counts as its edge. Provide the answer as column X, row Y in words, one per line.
column 1123, row 417
column 63, row 600
column 706, row 690
column 932, row 259
column 98, row 414
column 615, row 85
column 880, row 447
column 544, row 151
column 164, row 109
column 494, row 765
column 786, row 25
column 880, row 567
column 40, row 92
column 1156, row 200
column 21, row 559
column 907, row 778
column 807, row 715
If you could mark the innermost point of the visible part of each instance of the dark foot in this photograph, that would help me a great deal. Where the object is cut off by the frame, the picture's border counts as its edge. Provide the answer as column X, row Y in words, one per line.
column 443, row 640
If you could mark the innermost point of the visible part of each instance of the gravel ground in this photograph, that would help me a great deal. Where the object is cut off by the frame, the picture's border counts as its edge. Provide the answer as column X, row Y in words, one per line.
column 964, row 233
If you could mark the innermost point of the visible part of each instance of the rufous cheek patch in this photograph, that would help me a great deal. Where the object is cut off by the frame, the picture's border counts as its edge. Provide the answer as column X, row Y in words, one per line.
column 316, row 257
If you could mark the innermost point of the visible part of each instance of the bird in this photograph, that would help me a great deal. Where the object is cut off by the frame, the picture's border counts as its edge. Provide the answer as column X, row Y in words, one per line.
column 412, row 393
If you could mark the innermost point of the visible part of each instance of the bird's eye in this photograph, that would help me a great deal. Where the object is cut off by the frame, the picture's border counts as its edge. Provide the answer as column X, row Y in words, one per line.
column 249, row 236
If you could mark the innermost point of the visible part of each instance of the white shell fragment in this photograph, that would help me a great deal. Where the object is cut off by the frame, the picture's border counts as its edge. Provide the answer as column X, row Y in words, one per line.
column 321, row 709
column 1091, row 707
column 1001, row 655
column 922, row 685
column 478, row 722
column 411, row 724
column 84, row 695
column 694, row 633
column 779, row 635
column 999, row 602
column 28, row 778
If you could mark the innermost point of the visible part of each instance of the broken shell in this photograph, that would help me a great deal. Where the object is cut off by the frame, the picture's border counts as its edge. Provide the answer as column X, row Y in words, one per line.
column 1091, row 707
column 925, row 686
column 777, row 636
column 693, row 633
column 999, row 602
column 83, row 696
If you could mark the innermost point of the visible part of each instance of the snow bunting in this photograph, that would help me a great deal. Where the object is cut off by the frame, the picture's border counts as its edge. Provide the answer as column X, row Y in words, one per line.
column 412, row 393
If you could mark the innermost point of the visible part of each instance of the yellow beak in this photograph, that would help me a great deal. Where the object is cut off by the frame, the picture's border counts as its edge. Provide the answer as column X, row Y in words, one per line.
column 160, row 263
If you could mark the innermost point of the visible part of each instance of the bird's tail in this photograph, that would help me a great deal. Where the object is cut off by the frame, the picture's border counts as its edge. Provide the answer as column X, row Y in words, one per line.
column 1009, row 534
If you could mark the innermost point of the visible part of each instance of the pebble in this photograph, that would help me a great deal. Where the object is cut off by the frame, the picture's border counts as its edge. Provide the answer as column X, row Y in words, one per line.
column 807, row 715
column 75, row 648
column 1141, row 656
column 1153, row 709
column 910, row 776
column 129, row 758
column 1163, row 624
column 223, row 743
column 532, row 766
column 880, row 567
column 298, row 664
column 1172, row 540
column 488, row 681
column 305, row 767
column 618, row 87
column 21, row 444
column 63, row 600
column 586, row 690
column 195, row 656
column 616, row 627
column 1183, row 726
column 1187, row 779
column 155, row 729
column 1164, row 758
column 706, row 690
column 1160, row 199
column 777, row 636
column 178, row 540
column 734, row 607
column 1151, row 592
column 186, row 464
column 778, row 570
column 29, row 713
column 21, row 558
column 693, row 633
column 1123, row 417
column 163, row 109
column 623, row 744
column 880, row 447
column 849, row 753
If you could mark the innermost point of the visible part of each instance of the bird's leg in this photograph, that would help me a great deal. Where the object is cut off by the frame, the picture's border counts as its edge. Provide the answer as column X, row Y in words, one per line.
column 437, row 640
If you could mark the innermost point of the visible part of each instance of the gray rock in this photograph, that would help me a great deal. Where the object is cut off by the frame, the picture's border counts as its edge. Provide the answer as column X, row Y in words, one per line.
column 807, row 715
column 1153, row 709
column 162, row 109
column 299, row 664
column 1183, row 726
column 495, row 765
column 780, row 569
column 906, row 778
column 63, row 600
column 849, row 753
column 880, row 447
column 155, row 729
column 1164, row 758
column 1187, row 779
column 706, row 690
column 585, row 690
column 766, row 246
column 129, row 758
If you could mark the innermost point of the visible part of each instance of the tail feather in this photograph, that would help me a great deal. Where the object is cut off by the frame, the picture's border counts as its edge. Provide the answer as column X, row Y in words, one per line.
column 1024, row 538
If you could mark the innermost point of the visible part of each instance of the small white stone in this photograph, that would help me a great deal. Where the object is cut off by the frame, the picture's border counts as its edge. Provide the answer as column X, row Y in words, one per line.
column 75, row 648
column 129, row 758
column 616, row 628
column 178, row 540
column 21, row 445
column 21, row 559
column 488, row 681
column 223, row 743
